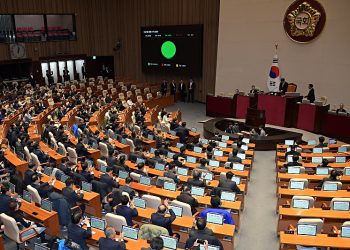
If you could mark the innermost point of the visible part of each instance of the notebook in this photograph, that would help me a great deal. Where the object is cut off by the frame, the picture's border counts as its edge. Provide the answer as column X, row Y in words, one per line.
column 145, row 180
column 169, row 242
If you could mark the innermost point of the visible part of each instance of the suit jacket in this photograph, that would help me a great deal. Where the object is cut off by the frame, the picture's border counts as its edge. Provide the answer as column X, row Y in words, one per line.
column 234, row 159
column 193, row 86
column 283, row 87
column 182, row 132
column 79, row 235
column 28, row 177
column 87, row 175
column 311, row 95
column 187, row 198
column 81, row 150
column 162, row 221
column 4, row 203
column 201, row 234
column 229, row 185
column 107, row 243
column 44, row 189
column 105, row 178
column 182, row 88
column 195, row 182
column 171, row 175
column 71, row 196
column 172, row 88
column 127, row 212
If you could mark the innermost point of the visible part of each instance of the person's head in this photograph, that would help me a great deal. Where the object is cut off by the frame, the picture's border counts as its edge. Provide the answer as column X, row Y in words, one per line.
column 157, row 243
column 321, row 139
column 171, row 166
column 209, row 148
column 324, row 162
column 140, row 165
column 240, row 137
column 282, row 79
column 215, row 201
column 162, row 209
column 201, row 223
column 311, row 86
column 128, row 180
column 182, row 149
column 295, row 158
column 32, row 166
column 109, row 170
column 157, row 152
column 239, row 144
column 4, row 189
column 85, row 166
column 122, row 159
column 110, row 233
column 35, row 178
column 234, row 152
column 187, row 189
column 334, row 174
column 253, row 87
column 229, row 175
column 203, row 161
column 209, row 156
column 196, row 174
column 183, row 124
column 77, row 217
column 175, row 157
column 341, row 106
column 69, row 182
column 124, row 200
column 13, row 206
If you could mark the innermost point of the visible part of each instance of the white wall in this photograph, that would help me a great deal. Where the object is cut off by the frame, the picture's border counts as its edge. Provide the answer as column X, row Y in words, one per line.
column 249, row 29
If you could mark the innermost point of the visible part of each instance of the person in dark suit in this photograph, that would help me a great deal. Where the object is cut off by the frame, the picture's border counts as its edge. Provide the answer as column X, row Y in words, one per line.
column 164, row 88
column 292, row 151
column 186, row 197
column 292, row 164
column 182, row 90
column 195, row 180
column 229, row 129
column 83, row 71
column 171, row 173
column 81, row 149
column 203, row 164
column 78, row 234
column 253, row 90
column 321, row 142
column 233, row 157
column 182, row 131
column 44, row 189
column 229, row 184
column 155, row 244
column 127, row 212
column 311, row 95
column 173, row 88
column 29, row 173
column 49, row 76
column 66, row 76
column 85, row 172
column 283, row 88
column 5, row 199
column 201, row 231
column 127, row 188
column 191, row 90
column 341, row 109
column 111, row 241
column 159, row 218
column 109, row 179
column 70, row 195
column 140, row 169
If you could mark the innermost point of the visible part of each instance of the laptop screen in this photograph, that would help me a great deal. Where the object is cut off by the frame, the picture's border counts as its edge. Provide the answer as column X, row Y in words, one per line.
column 204, row 141
column 311, row 142
column 197, row 149
column 145, row 180
column 198, row 191
column 191, row 159
column 170, row 155
column 289, row 142
column 169, row 242
column 238, row 166
column 218, row 153
column 236, row 179
column 207, row 176
column 103, row 169
column 150, row 137
column 173, row 133
column 129, row 232
column 317, row 150
column 290, row 158
column 293, row 170
column 12, row 187
column 179, row 145
column 27, row 196
column 210, row 247
column 215, row 218
column 307, row 229
column 342, row 149
column 98, row 223
column 340, row 159
column 304, row 204
column 347, row 171
column 177, row 210
column 244, row 147
column 140, row 160
column 297, row 185
column 139, row 202
column 316, row 159
column 169, row 186
column 182, row 171
column 123, row 141
column 214, row 164
column 46, row 205
column 322, row 171
column 152, row 150
column 159, row 166
column 85, row 186
column 288, row 149
column 330, row 186
column 341, row 205
column 332, row 141
column 225, row 138
column 64, row 178
column 242, row 156
column 123, row 174
column 345, row 232
column 222, row 144
column 246, row 140
column 194, row 130
column 228, row 196
column 48, row 171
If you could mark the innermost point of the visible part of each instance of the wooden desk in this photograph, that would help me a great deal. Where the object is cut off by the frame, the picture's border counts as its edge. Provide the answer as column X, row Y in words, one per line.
column 50, row 152
column 20, row 165
column 320, row 240
column 48, row 219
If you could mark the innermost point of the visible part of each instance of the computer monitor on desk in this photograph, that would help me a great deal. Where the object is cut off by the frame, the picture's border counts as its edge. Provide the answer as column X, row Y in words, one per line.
column 130, row 232
column 307, row 229
column 300, row 185
column 302, row 204
column 341, row 205
column 215, row 218
column 169, row 242
column 98, row 223
column 345, row 232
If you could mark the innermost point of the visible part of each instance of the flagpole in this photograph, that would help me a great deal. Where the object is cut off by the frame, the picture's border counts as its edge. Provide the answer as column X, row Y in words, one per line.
column 276, row 48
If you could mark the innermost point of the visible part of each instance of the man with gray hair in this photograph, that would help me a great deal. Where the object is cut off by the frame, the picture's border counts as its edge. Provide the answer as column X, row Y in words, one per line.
column 111, row 241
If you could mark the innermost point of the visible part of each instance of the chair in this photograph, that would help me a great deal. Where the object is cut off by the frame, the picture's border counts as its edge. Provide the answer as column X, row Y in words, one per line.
column 131, row 144
column 301, row 197
column 152, row 201
column 91, row 79
column 115, row 221
column 35, row 159
column 146, row 90
column 132, row 86
column 35, row 194
column 54, row 171
column 103, row 149
column 137, row 92
column 306, row 182
column 100, row 78
column 104, row 92
column 135, row 177
column 82, row 85
column 120, row 84
column 121, row 96
column 113, row 90
column 51, row 102
column 150, row 231
column 110, row 84
column 186, row 208
column 62, row 149
column 338, row 199
column 27, row 153
column 89, row 90
column 124, row 88
column 318, row 222
column 331, row 182
column 72, row 155
column 12, row 231
column 292, row 87
column 53, row 142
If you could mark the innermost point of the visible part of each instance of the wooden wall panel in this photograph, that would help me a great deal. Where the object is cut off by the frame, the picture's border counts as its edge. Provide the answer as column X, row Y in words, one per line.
column 101, row 23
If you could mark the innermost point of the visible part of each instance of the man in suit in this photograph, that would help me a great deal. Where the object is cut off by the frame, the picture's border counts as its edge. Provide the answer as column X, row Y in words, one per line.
column 141, row 169
column 233, row 157
column 182, row 131
column 195, row 180
column 253, row 90
column 155, row 244
column 111, row 241
column 160, row 219
column 29, row 173
column 126, row 188
column 85, row 172
column 203, row 164
column 228, row 184
column 311, row 95
column 229, row 129
column 341, row 109
column 239, row 148
column 5, row 199
column 109, row 179
column 83, row 71
column 201, row 231
column 173, row 88
column 321, row 142
column 127, row 212
column 186, row 197
column 66, row 76
column 80, row 149
column 78, row 234
column 71, row 196
column 44, row 189
column 191, row 89
column 293, row 152
column 182, row 90
column 171, row 173
column 164, row 88
column 283, row 88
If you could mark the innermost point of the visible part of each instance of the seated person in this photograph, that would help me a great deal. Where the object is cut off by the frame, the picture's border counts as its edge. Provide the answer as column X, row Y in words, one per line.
column 86, row 173
column 29, row 173
column 333, row 176
column 186, row 197
column 232, row 157
column 253, row 90
column 293, row 151
column 109, row 179
column 321, row 142
column 291, row 164
column 126, row 188
column 80, row 148
column 78, row 234
column 127, row 210
column 159, row 157
column 203, row 164
column 161, row 219
column 229, row 129
column 229, row 184
column 195, row 180
column 155, row 244
column 111, row 241
column 177, row 161
column 341, row 109
column 5, row 198
column 182, row 132
column 324, row 164
column 182, row 152
column 239, row 148
column 200, row 230
column 45, row 188
column 171, row 172
column 215, row 202
column 71, row 196
column 262, row 131
column 141, row 169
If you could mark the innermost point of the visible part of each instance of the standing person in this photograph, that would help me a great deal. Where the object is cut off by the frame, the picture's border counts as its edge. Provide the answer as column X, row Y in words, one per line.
column 49, row 76
column 182, row 90
column 83, row 71
column 164, row 88
column 173, row 88
column 311, row 95
column 191, row 89
column 283, row 86
column 66, row 77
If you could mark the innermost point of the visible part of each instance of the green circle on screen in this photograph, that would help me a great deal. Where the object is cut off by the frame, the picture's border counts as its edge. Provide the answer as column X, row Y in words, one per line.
column 168, row 49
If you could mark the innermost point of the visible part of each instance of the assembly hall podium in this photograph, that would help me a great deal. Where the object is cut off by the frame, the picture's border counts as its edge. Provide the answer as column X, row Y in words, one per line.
column 221, row 106
column 243, row 103
column 310, row 117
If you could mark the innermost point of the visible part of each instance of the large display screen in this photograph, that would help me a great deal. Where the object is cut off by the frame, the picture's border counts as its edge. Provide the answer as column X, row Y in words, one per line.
column 172, row 49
